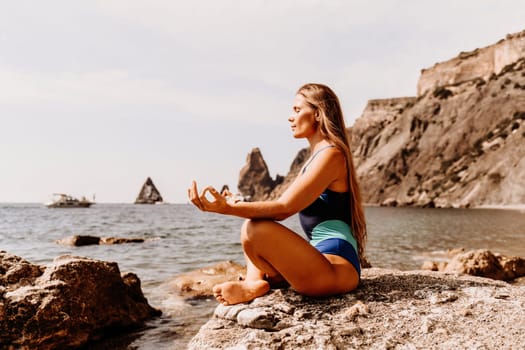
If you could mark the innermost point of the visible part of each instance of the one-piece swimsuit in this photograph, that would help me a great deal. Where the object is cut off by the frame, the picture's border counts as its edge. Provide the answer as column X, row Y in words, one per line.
column 326, row 223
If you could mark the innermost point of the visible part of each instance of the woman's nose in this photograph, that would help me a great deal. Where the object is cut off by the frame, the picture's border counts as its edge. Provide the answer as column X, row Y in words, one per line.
column 291, row 118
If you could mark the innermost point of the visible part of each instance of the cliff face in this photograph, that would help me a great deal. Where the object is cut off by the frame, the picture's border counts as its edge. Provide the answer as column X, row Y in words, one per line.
column 459, row 143
column 480, row 63
column 460, row 146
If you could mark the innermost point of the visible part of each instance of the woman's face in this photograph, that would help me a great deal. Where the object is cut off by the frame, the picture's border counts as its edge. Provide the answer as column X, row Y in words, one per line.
column 302, row 120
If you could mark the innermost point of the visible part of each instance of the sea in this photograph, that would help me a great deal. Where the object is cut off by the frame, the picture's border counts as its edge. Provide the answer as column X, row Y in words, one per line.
column 180, row 238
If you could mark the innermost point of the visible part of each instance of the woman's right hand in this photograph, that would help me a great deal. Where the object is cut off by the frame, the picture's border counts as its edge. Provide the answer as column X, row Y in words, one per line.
column 218, row 205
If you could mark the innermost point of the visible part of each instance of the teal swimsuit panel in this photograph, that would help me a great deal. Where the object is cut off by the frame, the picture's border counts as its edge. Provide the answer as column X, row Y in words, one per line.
column 333, row 229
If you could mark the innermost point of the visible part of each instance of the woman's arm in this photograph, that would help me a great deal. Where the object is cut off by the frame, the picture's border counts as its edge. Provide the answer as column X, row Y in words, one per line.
column 326, row 168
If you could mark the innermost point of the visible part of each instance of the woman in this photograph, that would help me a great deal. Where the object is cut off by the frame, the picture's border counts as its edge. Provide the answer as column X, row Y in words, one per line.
column 326, row 196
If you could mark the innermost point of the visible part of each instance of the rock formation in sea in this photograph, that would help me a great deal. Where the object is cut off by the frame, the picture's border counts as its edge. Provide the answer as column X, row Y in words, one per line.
column 148, row 193
column 82, row 240
column 458, row 143
column 390, row 310
column 68, row 303
column 255, row 182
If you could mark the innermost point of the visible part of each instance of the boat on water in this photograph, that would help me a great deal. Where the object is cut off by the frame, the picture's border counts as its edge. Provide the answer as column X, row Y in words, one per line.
column 62, row 200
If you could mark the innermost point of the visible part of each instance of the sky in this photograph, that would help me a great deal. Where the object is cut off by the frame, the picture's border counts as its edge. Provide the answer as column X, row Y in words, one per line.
column 95, row 96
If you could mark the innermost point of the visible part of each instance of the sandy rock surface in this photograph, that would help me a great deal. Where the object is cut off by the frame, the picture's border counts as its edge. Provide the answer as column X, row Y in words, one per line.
column 390, row 310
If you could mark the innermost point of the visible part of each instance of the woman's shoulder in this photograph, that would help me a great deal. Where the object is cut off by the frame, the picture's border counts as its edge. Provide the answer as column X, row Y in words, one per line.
column 334, row 153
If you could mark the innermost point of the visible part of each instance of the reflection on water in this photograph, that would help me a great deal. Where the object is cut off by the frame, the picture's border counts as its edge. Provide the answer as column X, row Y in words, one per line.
column 180, row 239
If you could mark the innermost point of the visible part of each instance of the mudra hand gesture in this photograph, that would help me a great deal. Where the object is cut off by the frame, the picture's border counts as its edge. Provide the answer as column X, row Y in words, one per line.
column 218, row 205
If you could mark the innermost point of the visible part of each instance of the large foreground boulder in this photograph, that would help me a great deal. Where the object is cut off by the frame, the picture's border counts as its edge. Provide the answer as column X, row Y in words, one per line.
column 66, row 304
column 390, row 310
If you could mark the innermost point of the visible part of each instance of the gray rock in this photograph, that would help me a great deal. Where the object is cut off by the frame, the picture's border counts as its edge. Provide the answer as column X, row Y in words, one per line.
column 149, row 194
column 67, row 304
column 390, row 309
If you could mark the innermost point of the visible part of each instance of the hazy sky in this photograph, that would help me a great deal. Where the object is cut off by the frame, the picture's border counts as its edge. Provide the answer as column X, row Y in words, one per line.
column 95, row 96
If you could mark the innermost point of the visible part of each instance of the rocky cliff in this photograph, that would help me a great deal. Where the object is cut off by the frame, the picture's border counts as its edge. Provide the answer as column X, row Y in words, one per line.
column 459, row 143
column 479, row 63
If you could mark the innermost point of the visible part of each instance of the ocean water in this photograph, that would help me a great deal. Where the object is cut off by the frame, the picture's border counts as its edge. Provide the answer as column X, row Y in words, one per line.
column 180, row 238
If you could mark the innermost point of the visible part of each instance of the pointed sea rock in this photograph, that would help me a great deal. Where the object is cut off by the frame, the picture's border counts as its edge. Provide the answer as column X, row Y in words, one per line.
column 255, row 182
column 149, row 193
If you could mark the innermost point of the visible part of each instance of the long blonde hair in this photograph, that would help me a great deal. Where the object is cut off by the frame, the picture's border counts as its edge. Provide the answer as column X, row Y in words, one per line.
column 332, row 126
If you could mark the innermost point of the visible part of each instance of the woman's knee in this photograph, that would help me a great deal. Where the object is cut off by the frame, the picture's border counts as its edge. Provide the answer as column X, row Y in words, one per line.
column 252, row 230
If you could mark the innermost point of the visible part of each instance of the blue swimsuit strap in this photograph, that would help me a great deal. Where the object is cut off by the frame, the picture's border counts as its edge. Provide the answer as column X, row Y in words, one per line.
column 314, row 155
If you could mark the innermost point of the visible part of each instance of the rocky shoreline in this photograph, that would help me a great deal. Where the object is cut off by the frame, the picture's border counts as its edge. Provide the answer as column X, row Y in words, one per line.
column 390, row 310
column 67, row 304
column 76, row 302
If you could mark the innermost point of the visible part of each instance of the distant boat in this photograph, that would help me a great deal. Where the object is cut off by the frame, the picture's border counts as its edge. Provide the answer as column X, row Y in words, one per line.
column 61, row 200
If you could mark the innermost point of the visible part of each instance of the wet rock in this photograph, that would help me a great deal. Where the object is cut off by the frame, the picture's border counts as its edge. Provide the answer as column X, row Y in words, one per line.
column 82, row 240
column 480, row 263
column 199, row 283
column 67, row 304
column 390, row 309
column 79, row 240
column 120, row 240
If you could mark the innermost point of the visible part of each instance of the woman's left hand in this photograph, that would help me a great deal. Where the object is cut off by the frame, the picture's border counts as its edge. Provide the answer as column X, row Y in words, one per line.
column 218, row 205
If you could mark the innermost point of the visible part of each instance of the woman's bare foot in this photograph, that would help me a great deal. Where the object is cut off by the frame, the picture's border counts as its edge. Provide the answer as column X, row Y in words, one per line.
column 229, row 293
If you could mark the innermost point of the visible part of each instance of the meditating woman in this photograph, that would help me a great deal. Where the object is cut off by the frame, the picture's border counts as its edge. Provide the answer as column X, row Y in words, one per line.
column 325, row 194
